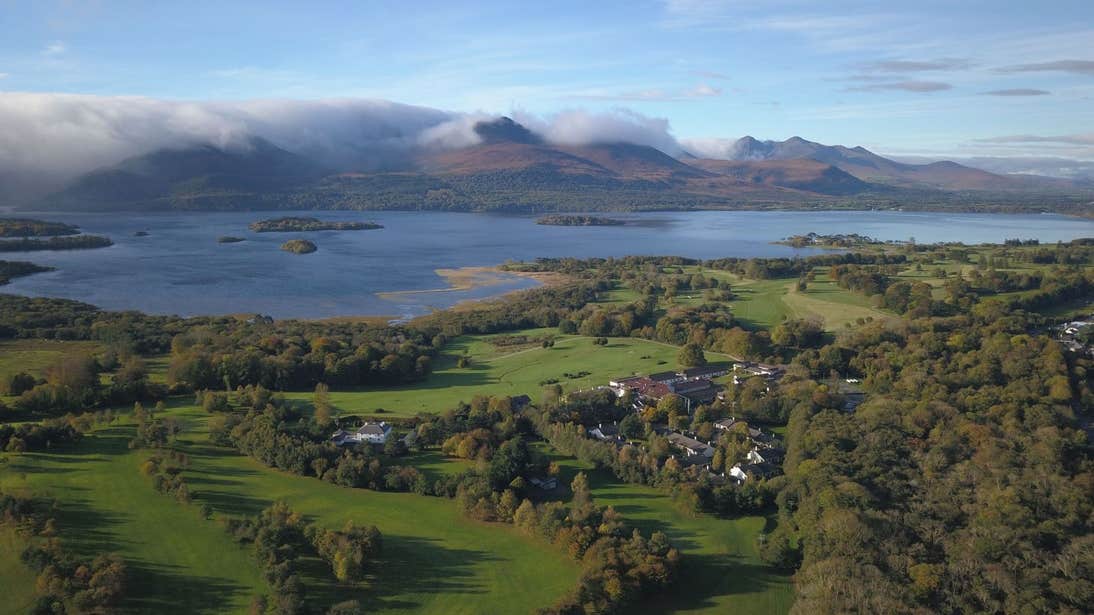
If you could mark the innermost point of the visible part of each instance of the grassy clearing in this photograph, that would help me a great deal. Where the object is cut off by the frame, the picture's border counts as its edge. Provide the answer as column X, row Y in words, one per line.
column 760, row 303
column 179, row 562
column 837, row 307
column 16, row 580
column 513, row 371
column 434, row 561
column 720, row 570
column 35, row 356
column 436, row 465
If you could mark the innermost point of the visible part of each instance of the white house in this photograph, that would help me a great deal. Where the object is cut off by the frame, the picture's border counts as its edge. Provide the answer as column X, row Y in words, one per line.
column 738, row 473
column 370, row 433
column 373, row 433
column 754, row 456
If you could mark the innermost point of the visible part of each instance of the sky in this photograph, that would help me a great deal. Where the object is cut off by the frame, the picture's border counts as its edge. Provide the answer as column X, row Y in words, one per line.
column 928, row 78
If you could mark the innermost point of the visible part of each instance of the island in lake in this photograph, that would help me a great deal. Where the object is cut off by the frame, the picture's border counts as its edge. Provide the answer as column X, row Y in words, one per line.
column 71, row 242
column 296, row 224
column 572, row 220
column 27, row 227
column 229, row 239
column 299, row 246
column 814, row 240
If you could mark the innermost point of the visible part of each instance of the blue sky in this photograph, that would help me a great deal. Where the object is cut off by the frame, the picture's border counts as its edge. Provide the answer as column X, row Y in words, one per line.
column 934, row 78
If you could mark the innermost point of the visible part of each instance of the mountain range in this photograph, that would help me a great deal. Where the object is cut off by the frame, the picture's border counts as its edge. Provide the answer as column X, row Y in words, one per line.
column 512, row 168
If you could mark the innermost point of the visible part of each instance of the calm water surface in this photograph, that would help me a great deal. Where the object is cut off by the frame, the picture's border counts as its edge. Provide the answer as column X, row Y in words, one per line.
column 179, row 268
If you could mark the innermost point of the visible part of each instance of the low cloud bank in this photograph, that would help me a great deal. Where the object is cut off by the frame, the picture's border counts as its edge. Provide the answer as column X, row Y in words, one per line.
column 47, row 139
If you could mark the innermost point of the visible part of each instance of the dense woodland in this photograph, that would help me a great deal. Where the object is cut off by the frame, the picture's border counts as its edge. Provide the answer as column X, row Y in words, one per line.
column 15, row 269
column 29, row 227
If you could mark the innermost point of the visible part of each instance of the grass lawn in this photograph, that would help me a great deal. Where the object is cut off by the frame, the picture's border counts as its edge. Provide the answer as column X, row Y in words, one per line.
column 434, row 560
column 16, row 580
column 434, row 464
column 510, row 372
column 720, row 571
column 34, row 356
column 763, row 304
column 179, row 562
column 825, row 299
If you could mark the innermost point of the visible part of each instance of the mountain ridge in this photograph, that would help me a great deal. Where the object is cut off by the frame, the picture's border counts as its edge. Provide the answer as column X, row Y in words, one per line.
column 511, row 166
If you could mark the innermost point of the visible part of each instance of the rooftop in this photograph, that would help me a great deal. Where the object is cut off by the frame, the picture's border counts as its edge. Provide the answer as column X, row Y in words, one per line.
column 374, row 429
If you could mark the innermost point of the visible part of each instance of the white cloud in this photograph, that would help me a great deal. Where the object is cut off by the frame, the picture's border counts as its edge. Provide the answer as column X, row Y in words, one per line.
column 715, row 147
column 55, row 48
column 55, row 136
column 580, row 127
column 49, row 138
column 704, row 90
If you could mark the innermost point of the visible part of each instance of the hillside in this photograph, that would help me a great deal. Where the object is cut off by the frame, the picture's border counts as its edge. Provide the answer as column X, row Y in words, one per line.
column 805, row 175
column 870, row 167
column 188, row 178
column 514, row 169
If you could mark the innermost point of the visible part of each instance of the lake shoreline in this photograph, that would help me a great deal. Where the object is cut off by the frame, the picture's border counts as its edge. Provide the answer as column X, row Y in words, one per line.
column 423, row 261
column 461, row 279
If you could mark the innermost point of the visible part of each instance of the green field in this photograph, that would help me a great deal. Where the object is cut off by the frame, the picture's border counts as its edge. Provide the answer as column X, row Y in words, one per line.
column 179, row 562
column 16, row 580
column 763, row 304
column 519, row 371
column 720, row 570
column 35, row 356
column 434, row 560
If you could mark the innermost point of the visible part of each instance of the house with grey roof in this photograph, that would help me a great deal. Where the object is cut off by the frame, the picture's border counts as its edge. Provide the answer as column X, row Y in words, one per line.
column 690, row 446
column 369, row 433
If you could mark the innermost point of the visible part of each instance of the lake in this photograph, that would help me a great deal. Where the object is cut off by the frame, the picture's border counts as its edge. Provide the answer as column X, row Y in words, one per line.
column 179, row 268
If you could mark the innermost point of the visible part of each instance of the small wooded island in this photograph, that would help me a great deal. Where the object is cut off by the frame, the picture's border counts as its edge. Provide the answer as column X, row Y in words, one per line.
column 571, row 220
column 70, row 242
column 229, row 239
column 291, row 224
column 814, row 240
column 299, row 246
column 27, row 227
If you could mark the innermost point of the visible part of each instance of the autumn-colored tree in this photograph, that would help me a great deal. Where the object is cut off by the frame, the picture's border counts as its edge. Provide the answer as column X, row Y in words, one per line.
column 324, row 412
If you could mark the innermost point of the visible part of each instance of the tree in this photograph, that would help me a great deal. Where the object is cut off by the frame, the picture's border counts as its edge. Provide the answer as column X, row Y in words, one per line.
column 321, row 401
column 18, row 383
column 582, row 502
column 552, row 395
column 691, row 355
column 77, row 372
column 672, row 405
column 632, row 427
column 394, row 446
